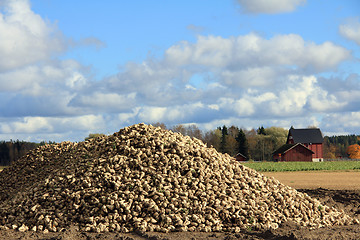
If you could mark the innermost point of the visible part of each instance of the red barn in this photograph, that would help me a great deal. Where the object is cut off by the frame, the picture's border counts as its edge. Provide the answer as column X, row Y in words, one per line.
column 293, row 153
column 240, row 157
column 300, row 143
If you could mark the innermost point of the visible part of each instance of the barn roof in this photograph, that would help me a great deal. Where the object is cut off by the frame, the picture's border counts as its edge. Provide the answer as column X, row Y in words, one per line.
column 306, row 135
column 241, row 155
column 286, row 147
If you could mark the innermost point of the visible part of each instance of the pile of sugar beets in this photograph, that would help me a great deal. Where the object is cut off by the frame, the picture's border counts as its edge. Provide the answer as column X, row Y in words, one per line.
column 144, row 178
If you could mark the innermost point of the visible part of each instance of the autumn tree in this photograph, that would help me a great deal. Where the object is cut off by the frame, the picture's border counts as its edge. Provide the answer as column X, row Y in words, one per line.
column 159, row 124
column 233, row 131
column 263, row 148
column 190, row 130
column 353, row 151
column 94, row 135
column 213, row 138
column 338, row 145
column 179, row 128
column 251, row 137
column 278, row 137
column 194, row 131
column 231, row 146
column 264, row 141
column 331, row 151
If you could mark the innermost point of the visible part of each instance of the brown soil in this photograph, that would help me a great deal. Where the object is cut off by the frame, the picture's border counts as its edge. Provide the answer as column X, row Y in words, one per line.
column 337, row 189
column 349, row 180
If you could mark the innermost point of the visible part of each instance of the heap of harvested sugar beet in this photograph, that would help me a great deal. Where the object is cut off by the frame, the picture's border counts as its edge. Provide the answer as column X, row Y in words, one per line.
column 147, row 179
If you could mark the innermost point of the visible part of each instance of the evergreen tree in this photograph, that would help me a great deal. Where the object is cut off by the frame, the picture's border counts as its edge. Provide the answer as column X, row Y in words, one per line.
column 224, row 133
column 261, row 131
column 243, row 146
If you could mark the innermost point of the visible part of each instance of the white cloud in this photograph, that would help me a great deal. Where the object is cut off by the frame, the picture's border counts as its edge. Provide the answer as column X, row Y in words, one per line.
column 325, row 56
column 209, row 51
column 243, row 107
column 152, row 114
column 351, row 30
column 250, row 77
column 297, row 95
column 270, row 6
column 214, row 107
column 247, row 80
column 247, row 77
column 19, row 80
column 43, row 79
column 300, row 96
column 250, row 104
column 105, row 101
column 76, row 80
column 31, row 125
column 350, row 95
column 32, row 81
column 250, row 51
column 25, row 38
column 223, row 69
column 28, row 125
column 340, row 123
column 322, row 101
column 41, row 90
column 265, row 97
column 150, row 79
column 294, row 97
column 172, row 114
column 127, row 118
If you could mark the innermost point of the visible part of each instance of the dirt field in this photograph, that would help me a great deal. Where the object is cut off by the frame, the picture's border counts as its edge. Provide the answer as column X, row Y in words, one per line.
column 338, row 189
column 349, row 180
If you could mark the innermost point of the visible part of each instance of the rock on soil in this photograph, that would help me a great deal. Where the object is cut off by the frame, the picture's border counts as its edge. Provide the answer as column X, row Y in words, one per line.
column 148, row 179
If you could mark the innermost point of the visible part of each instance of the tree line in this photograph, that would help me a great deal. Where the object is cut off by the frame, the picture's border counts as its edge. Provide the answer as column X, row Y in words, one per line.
column 341, row 146
column 255, row 144
column 13, row 150
column 259, row 144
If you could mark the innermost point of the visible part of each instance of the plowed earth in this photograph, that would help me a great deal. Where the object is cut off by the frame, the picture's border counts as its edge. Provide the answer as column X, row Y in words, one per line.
column 343, row 196
column 337, row 180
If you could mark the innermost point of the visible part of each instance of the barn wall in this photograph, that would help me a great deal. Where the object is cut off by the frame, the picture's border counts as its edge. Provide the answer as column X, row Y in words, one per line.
column 240, row 158
column 317, row 148
column 277, row 157
column 298, row 154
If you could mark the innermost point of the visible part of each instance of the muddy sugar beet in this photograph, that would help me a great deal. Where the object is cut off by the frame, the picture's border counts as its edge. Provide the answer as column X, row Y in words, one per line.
column 144, row 178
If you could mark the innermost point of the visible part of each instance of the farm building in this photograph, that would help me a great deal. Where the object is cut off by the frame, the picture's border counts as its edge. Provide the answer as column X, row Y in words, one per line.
column 240, row 157
column 301, row 145
column 293, row 153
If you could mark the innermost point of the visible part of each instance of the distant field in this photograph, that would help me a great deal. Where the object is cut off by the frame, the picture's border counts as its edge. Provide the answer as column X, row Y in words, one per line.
column 303, row 166
column 336, row 180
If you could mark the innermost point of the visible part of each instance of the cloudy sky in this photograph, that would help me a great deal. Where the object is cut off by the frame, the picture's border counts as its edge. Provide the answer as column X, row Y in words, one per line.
column 70, row 68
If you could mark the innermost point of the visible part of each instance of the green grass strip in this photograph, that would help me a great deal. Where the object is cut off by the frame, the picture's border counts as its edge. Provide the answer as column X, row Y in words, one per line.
column 303, row 166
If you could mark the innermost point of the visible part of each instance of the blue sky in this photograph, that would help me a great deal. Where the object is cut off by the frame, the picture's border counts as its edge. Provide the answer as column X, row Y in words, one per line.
column 70, row 68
